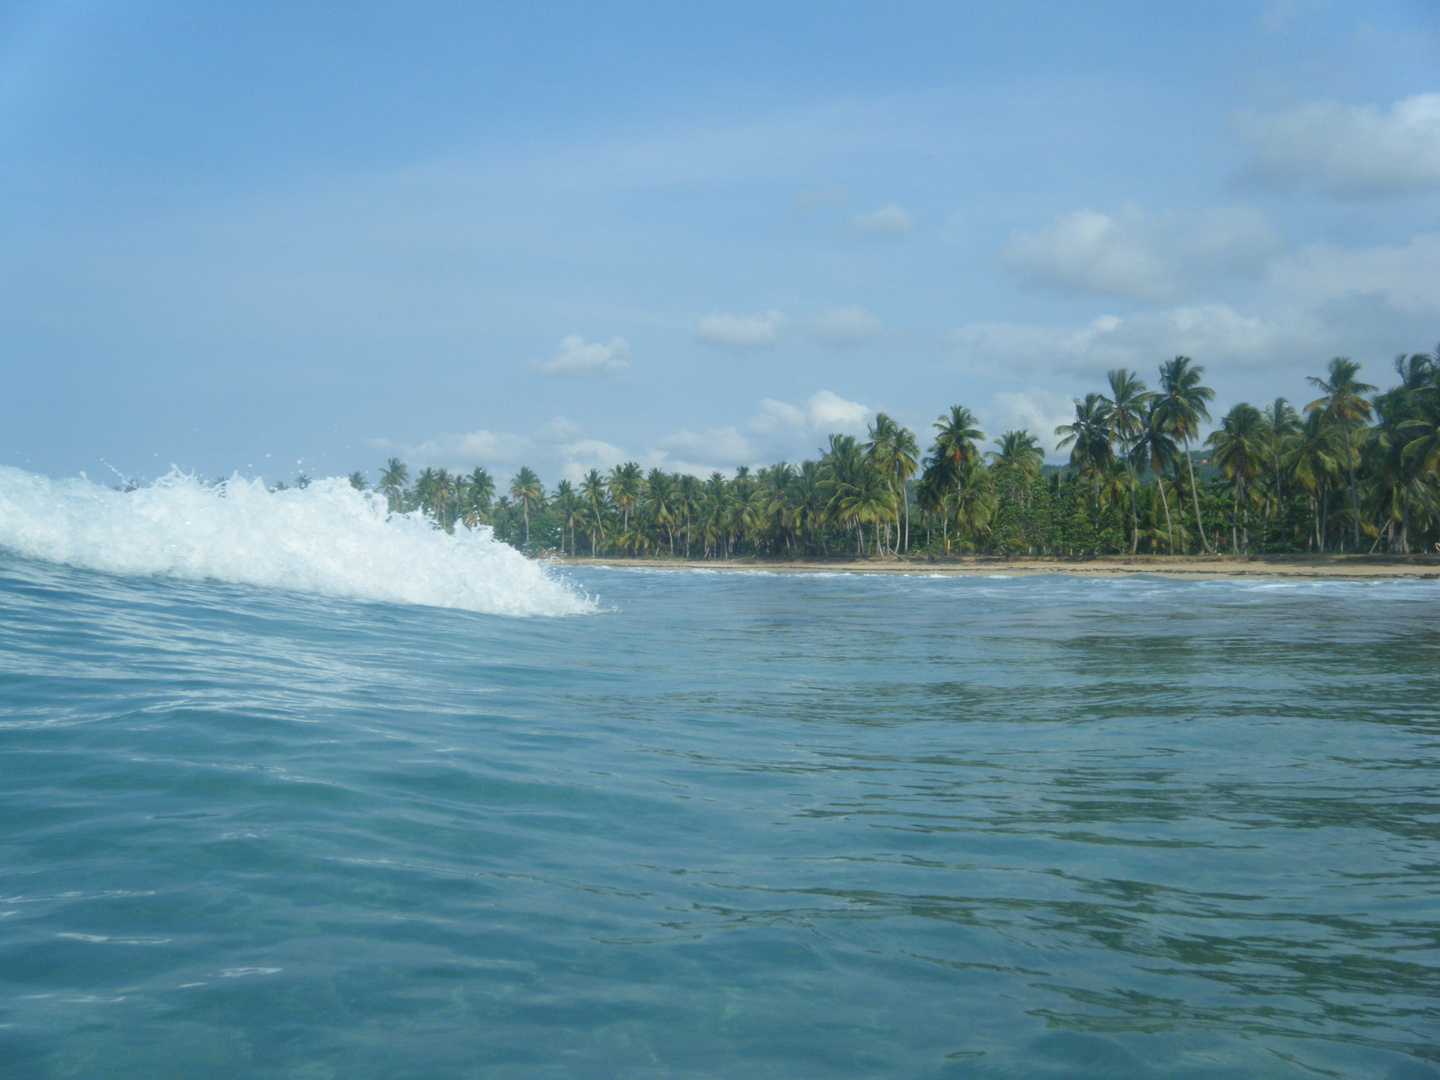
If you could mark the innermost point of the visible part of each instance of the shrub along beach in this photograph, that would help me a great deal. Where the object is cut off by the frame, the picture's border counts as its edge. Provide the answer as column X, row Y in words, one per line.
column 1347, row 483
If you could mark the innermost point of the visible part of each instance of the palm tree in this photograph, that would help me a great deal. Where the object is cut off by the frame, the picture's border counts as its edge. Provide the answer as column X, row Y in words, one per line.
column 1089, row 439
column 954, row 447
column 688, row 497
column 527, row 490
column 1283, row 424
column 358, row 481
column 426, row 488
column 623, row 484
column 1343, row 404
column 973, row 502
column 1401, row 477
column 809, row 501
column 1018, row 461
column 896, row 454
column 442, row 499
column 661, row 502
column 1240, row 444
column 569, row 506
column 392, row 483
column 1157, row 451
column 1126, row 407
column 478, row 494
column 1182, row 408
column 593, row 491
column 1311, row 461
column 955, row 443
column 865, row 498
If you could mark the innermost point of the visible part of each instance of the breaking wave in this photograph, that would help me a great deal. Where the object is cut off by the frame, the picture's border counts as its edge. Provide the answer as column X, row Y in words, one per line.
column 327, row 538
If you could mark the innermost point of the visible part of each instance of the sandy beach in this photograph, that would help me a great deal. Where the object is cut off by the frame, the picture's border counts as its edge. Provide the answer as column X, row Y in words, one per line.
column 1355, row 567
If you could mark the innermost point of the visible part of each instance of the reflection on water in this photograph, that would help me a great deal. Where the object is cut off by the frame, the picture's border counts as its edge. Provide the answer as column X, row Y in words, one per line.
column 730, row 826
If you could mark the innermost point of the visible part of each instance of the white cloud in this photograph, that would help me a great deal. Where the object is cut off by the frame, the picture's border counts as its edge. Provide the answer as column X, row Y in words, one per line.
column 559, row 429
column 741, row 331
column 1140, row 256
column 482, row 447
column 823, row 412
column 845, row 326
column 1209, row 332
column 725, row 445
column 887, row 221
column 1407, row 278
column 575, row 357
column 1035, row 410
column 1348, row 150
column 1318, row 301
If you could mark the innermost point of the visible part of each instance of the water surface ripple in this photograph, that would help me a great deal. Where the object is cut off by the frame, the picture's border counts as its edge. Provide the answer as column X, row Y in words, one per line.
column 729, row 825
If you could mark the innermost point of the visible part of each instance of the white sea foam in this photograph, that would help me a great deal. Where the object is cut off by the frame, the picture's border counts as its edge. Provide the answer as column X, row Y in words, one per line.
column 327, row 538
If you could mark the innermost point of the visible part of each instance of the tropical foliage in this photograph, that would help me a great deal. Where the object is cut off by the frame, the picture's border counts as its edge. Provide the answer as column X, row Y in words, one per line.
column 1358, row 471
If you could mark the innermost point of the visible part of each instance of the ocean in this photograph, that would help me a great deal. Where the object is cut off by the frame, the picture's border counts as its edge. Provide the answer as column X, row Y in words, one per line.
column 293, row 789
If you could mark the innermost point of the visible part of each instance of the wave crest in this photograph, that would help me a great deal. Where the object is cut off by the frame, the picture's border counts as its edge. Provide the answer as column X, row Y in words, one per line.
column 327, row 538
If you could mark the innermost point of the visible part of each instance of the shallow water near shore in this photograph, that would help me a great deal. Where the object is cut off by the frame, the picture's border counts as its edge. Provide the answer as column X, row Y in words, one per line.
column 719, row 825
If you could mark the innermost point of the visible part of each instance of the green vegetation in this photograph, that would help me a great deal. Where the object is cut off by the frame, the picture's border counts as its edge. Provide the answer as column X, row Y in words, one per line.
column 1360, row 471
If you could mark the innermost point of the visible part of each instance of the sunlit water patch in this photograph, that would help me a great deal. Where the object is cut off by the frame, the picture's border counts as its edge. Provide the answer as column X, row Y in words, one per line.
column 725, row 826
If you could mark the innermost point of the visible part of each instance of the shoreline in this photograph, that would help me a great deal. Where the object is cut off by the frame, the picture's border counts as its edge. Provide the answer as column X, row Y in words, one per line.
column 1196, row 567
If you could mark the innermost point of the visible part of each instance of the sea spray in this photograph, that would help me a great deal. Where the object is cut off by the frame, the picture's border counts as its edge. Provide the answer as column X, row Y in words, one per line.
column 326, row 538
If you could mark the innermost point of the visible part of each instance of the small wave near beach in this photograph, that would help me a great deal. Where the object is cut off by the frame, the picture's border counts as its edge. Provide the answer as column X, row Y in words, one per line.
column 327, row 538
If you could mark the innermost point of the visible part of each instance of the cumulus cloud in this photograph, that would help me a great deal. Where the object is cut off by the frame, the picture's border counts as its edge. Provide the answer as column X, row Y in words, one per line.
column 741, row 331
column 481, row 447
column 1317, row 301
column 1406, row 278
column 1211, row 332
column 575, row 357
column 822, row 412
column 1140, row 256
column 887, row 221
column 722, row 445
column 845, row 326
column 1347, row 150
column 1033, row 409
column 559, row 429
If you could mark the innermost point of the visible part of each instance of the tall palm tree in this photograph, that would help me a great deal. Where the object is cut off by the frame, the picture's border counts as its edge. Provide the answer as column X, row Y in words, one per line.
column 689, row 496
column 1283, row 424
column 569, row 506
column 954, row 446
column 1311, row 461
column 1400, row 478
column 1182, row 406
column 1156, row 450
column 1088, row 437
column 864, row 499
column 426, row 493
column 1018, row 461
column 896, row 454
column 1344, row 404
column 392, row 483
column 1126, row 407
column 624, row 486
column 660, row 499
column 973, row 502
column 478, row 495
column 527, row 490
column 593, row 492
column 1240, row 444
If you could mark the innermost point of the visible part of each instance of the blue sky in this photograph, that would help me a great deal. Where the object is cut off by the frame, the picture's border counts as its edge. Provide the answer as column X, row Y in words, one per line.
column 275, row 238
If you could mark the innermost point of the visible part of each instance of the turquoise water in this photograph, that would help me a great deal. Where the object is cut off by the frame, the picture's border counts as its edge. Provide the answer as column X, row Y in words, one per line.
column 719, row 825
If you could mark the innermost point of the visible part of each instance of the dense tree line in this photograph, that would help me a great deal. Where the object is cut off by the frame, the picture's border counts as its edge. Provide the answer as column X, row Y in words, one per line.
column 1354, row 470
